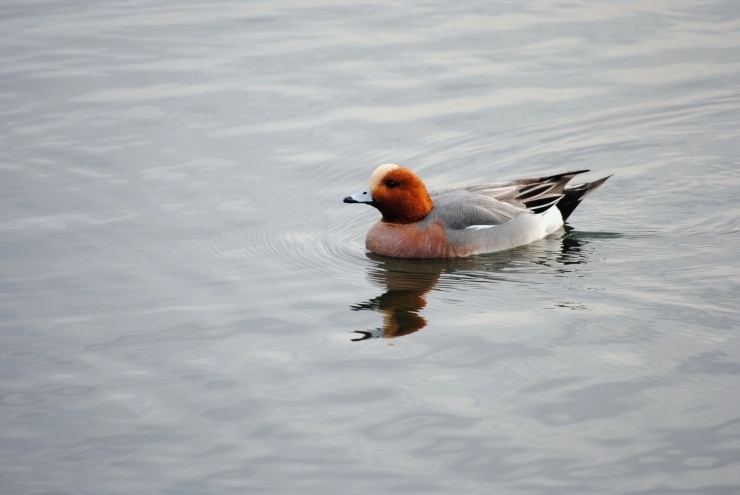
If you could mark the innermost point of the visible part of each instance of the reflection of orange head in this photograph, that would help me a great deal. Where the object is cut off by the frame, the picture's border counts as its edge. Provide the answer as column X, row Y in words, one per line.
column 399, row 194
column 399, row 309
column 404, row 298
column 400, row 323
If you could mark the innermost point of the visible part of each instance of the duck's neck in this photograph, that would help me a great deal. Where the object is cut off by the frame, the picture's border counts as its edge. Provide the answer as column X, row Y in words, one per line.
column 404, row 212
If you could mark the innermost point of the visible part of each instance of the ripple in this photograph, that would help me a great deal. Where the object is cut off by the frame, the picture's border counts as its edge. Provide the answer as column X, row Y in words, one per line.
column 330, row 254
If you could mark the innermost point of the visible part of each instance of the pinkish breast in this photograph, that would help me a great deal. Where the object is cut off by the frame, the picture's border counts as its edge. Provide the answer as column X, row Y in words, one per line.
column 408, row 241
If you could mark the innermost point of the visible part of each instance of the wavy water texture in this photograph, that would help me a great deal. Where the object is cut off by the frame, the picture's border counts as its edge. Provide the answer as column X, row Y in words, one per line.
column 188, row 307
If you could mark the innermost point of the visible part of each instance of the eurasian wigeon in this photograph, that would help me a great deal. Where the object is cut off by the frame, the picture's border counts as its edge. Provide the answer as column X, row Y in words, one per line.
column 465, row 220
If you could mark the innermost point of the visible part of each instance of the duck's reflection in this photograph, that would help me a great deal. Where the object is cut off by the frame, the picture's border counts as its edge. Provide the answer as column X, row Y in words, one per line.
column 406, row 282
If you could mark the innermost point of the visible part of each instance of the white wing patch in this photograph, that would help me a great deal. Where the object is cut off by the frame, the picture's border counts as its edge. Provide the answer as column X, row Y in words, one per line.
column 479, row 227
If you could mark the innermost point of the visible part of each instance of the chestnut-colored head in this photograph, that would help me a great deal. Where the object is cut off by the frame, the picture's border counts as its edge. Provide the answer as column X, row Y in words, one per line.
column 399, row 195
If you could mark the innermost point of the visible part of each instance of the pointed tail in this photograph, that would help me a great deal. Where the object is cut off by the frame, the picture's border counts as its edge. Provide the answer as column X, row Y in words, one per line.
column 574, row 195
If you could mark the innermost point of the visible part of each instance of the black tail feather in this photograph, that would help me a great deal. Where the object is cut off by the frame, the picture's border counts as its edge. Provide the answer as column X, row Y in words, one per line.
column 572, row 196
column 541, row 205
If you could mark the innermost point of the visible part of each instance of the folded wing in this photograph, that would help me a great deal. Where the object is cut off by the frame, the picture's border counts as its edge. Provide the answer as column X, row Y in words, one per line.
column 484, row 205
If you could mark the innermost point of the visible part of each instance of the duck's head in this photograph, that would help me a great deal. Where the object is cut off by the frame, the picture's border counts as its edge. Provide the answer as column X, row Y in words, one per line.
column 399, row 195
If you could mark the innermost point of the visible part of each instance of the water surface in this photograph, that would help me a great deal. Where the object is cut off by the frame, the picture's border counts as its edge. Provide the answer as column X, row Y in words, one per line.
column 187, row 306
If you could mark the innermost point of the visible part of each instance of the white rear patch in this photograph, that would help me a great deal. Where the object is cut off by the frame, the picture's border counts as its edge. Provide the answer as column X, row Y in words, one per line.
column 552, row 220
column 479, row 227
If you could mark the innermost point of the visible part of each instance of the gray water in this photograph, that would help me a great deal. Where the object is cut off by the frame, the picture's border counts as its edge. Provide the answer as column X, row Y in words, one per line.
column 187, row 306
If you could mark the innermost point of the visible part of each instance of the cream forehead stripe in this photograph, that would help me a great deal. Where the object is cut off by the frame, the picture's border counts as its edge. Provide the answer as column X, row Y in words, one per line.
column 380, row 173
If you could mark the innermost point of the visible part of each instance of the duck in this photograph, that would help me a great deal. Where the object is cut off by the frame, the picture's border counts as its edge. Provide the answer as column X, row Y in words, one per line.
column 466, row 220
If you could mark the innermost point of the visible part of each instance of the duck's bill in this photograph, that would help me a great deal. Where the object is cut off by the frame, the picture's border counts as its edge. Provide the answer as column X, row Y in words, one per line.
column 363, row 196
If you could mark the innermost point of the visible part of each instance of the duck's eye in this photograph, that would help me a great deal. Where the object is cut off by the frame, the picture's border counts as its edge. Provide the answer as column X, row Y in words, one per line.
column 391, row 183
